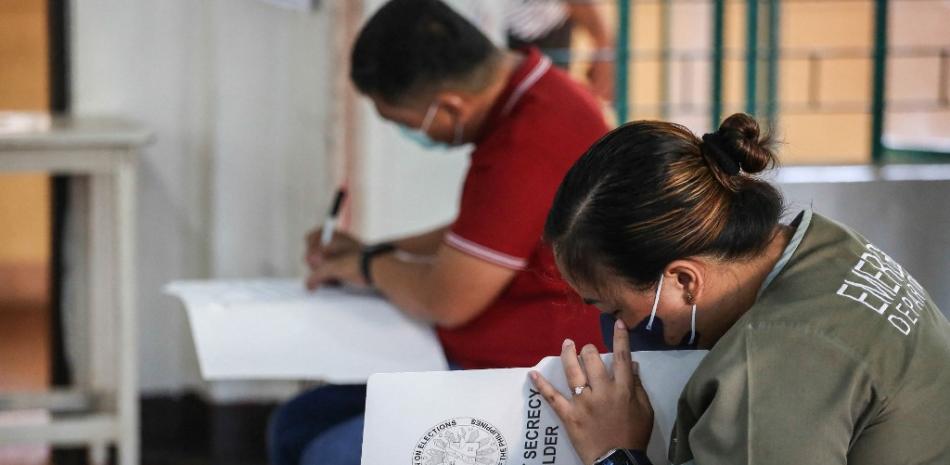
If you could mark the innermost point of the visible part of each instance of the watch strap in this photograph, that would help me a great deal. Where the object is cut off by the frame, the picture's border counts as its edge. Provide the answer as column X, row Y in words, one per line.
column 623, row 457
column 368, row 253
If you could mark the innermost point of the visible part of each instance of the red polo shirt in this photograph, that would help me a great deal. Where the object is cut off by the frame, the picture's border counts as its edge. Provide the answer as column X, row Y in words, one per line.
column 540, row 124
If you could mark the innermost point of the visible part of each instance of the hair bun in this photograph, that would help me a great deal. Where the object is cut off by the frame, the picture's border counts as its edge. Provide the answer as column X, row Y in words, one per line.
column 739, row 136
column 726, row 160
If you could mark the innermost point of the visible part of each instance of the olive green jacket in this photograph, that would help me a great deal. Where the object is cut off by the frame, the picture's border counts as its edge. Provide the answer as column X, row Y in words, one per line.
column 843, row 359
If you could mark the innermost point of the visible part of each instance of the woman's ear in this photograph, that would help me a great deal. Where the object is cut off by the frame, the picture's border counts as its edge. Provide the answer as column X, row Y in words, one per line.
column 688, row 276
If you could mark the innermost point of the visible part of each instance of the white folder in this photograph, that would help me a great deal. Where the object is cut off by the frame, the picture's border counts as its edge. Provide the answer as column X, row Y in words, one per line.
column 495, row 417
column 276, row 329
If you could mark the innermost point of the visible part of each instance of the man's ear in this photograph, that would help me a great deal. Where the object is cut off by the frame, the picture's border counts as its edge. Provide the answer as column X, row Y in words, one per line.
column 453, row 103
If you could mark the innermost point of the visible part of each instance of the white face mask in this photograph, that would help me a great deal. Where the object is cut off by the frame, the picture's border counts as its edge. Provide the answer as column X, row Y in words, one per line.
column 656, row 303
column 421, row 135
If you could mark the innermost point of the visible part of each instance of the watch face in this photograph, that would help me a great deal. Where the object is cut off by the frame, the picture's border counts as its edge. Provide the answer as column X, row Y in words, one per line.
column 624, row 457
column 617, row 457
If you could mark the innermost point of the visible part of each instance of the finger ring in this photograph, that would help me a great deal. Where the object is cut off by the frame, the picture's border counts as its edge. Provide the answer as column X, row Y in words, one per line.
column 579, row 389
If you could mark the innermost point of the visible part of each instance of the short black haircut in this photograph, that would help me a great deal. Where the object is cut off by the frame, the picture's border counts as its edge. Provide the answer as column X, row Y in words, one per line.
column 412, row 45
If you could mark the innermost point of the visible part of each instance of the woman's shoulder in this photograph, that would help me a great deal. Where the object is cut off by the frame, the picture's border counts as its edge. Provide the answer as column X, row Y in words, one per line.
column 840, row 294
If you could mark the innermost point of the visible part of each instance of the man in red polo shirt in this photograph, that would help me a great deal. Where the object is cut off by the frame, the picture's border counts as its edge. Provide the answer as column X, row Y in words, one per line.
column 488, row 284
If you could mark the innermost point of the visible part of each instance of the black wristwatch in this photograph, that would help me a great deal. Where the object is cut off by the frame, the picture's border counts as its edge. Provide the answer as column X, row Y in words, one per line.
column 367, row 255
column 623, row 457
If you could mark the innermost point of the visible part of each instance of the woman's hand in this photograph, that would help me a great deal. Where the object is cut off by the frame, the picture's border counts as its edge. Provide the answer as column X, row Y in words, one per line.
column 338, row 262
column 609, row 412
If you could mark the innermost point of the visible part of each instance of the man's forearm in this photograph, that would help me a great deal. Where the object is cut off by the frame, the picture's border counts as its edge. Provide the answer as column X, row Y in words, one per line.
column 426, row 243
column 407, row 284
column 449, row 290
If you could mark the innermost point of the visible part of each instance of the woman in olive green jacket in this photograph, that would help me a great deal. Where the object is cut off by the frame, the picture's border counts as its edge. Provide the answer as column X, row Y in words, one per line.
column 823, row 349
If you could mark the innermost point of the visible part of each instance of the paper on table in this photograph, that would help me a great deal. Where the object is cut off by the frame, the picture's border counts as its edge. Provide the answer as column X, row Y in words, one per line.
column 276, row 329
column 495, row 417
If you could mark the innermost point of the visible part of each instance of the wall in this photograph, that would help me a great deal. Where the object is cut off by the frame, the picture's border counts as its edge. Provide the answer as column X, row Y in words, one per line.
column 236, row 92
column 24, row 197
column 839, row 131
column 907, row 219
column 23, row 52
column 24, row 207
column 271, row 99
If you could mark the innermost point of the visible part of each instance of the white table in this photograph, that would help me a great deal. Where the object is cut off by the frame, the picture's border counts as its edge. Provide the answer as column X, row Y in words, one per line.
column 100, row 155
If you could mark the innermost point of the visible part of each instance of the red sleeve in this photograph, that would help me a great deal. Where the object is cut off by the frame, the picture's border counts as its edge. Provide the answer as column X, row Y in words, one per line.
column 505, row 201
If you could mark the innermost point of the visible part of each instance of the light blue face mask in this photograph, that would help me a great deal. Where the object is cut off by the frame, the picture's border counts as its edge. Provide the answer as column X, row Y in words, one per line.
column 421, row 135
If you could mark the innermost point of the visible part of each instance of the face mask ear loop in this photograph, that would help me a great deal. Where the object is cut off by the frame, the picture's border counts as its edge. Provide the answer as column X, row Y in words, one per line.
column 692, row 326
column 459, row 129
column 430, row 115
column 656, row 302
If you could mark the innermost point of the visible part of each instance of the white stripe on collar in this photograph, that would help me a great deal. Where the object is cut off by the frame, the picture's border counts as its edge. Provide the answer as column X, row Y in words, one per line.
column 790, row 249
column 539, row 69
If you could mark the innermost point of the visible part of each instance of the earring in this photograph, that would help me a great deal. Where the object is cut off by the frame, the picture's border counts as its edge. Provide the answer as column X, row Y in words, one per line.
column 689, row 298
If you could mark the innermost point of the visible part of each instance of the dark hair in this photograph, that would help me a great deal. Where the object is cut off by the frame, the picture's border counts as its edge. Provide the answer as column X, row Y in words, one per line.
column 411, row 45
column 651, row 192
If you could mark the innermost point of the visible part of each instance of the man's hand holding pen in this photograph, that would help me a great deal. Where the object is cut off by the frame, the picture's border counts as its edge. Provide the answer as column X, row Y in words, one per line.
column 338, row 261
column 333, row 256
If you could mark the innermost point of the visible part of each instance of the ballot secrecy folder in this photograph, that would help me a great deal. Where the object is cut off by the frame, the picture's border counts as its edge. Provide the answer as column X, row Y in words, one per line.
column 496, row 417
column 275, row 329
